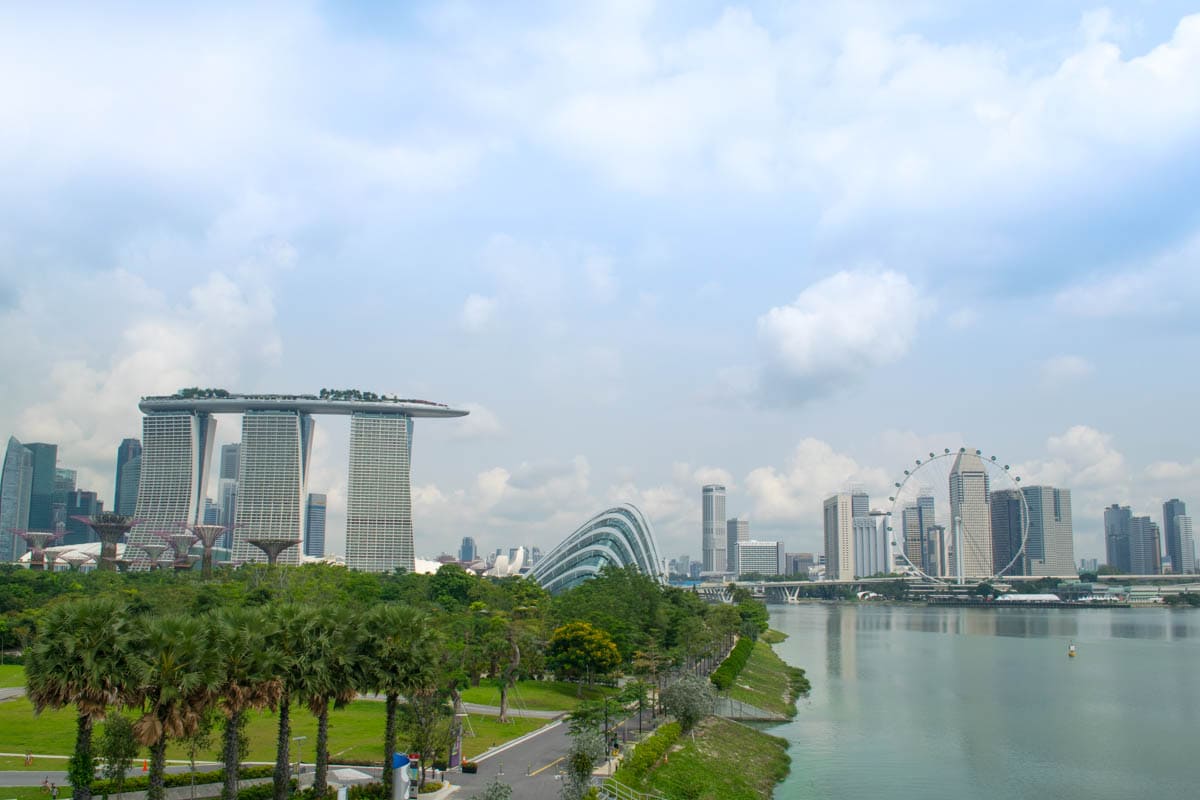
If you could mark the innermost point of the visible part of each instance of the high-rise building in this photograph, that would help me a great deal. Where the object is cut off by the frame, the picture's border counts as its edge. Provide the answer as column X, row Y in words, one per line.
column 713, row 530
column 229, row 462
column 1006, row 510
column 41, row 497
column 212, row 512
column 131, row 475
column 16, row 485
column 970, row 518
column 936, row 552
column 839, row 537
column 272, row 482
column 1145, row 547
column 1172, row 509
column 379, row 533
column 870, row 546
column 760, row 558
column 467, row 550
column 1117, row 537
column 81, row 504
column 127, row 451
column 1187, row 545
column 736, row 530
column 176, row 448
column 314, row 526
column 1050, row 547
column 64, row 484
column 1089, row 564
column 799, row 563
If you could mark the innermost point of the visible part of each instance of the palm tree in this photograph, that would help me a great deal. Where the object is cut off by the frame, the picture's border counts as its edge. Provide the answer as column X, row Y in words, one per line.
column 328, row 675
column 246, row 678
column 178, row 674
column 287, row 639
column 396, row 648
column 80, row 655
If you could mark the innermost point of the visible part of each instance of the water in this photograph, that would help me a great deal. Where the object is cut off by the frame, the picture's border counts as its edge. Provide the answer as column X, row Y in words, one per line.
column 932, row 703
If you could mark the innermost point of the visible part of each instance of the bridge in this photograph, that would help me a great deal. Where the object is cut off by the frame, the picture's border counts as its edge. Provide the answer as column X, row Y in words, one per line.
column 790, row 591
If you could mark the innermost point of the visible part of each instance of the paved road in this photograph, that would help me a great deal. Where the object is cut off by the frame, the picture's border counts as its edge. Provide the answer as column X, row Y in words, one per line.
column 11, row 692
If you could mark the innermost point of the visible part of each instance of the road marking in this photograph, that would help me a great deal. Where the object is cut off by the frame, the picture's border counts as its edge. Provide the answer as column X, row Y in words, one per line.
column 548, row 766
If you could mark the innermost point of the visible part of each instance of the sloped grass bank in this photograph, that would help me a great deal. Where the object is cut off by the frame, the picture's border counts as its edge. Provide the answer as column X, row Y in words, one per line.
column 725, row 761
column 769, row 683
column 539, row 695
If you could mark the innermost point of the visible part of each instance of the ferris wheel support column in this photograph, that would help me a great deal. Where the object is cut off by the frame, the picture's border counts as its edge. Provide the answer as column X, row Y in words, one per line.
column 958, row 557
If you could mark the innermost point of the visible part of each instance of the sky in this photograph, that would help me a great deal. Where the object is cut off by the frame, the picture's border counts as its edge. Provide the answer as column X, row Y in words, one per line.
column 788, row 247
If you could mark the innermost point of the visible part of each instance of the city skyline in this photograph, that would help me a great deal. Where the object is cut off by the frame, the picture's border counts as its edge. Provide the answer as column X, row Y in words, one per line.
column 651, row 246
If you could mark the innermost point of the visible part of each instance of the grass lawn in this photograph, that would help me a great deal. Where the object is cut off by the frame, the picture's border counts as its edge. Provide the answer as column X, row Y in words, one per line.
column 355, row 733
column 727, row 761
column 773, row 636
column 11, row 675
column 30, row 793
column 765, row 682
column 540, row 695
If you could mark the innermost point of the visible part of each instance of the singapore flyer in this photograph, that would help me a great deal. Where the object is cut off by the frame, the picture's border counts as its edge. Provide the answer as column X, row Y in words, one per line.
column 958, row 516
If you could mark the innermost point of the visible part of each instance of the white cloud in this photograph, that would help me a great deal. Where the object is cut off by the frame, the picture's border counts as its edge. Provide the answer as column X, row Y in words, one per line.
column 602, row 282
column 1162, row 286
column 795, row 493
column 477, row 312
column 481, row 423
column 962, row 319
column 836, row 331
column 1065, row 369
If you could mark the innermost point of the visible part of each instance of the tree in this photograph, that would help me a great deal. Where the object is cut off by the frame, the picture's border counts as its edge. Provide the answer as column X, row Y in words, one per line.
column 397, row 644
column 580, row 650
column 636, row 692
column 495, row 790
column 689, row 700
column 587, row 747
column 118, row 748
column 328, row 675
column 80, row 656
column 247, row 679
column 287, row 641
column 178, row 674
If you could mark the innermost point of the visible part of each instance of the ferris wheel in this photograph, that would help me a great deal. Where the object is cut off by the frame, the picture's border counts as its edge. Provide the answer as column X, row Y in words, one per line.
column 958, row 515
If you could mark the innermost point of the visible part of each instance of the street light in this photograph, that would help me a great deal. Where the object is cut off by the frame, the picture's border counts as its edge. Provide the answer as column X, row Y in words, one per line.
column 299, row 761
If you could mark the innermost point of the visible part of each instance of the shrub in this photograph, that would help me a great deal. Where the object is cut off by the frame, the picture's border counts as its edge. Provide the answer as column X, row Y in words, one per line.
column 648, row 753
column 366, row 791
column 173, row 779
column 724, row 675
column 431, row 786
column 264, row 791
column 470, row 767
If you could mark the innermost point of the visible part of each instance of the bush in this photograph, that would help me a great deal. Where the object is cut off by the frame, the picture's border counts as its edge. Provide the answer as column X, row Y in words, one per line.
column 470, row 767
column 264, row 791
column 431, row 786
column 648, row 753
column 366, row 791
column 173, row 779
column 724, row 675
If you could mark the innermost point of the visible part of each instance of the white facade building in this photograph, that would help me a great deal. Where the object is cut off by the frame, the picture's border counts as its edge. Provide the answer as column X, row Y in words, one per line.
column 736, row 530
column 1187, row 545
column 970, row 512
column 379, row 530
column 763, row 558
column 870, row 546
column 176, row 448
column 713, row 530
column 839, row 537
column 272, row 482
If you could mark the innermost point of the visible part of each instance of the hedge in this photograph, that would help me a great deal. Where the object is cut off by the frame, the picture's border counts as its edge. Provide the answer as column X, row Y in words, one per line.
column 648, row 753
column 265, row 791
column 724, row 675
column 172, row 779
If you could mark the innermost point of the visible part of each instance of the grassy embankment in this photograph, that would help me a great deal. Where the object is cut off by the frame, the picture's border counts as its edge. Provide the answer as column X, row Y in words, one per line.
column 355, row 733
column 726, row 760
column 768, row 682
column 11, row 675
column 538, row 695
column 773, row 636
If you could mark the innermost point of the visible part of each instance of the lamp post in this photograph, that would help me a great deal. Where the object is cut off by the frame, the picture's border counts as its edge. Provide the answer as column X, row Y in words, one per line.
column 299, row 761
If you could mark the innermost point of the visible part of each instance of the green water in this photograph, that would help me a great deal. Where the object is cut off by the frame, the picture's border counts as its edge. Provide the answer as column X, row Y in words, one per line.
column 931, row 703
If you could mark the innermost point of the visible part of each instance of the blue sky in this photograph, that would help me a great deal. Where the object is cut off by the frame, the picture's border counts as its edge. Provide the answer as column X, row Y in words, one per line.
column 650, row 245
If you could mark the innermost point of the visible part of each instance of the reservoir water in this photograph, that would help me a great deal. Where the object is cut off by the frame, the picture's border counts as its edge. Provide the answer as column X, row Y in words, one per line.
column 955, row 703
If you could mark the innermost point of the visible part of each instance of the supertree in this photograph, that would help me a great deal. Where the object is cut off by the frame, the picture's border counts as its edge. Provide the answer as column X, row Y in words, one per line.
column 273, row 547
column 208, row 536
column 181, row 543
column 37, row 541
column 76, row 559
column 111, row 528
column 154, row 550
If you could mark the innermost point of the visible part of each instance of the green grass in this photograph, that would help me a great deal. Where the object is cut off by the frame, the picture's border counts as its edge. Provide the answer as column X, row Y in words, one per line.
column 355, row 733
column 30, row 793
column 11, row 675
column 773, row 636
column 727, row 761
column 765, row 682
column 539, row 695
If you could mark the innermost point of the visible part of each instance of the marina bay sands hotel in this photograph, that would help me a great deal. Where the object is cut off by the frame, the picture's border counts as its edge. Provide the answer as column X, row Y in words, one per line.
column 177, row 442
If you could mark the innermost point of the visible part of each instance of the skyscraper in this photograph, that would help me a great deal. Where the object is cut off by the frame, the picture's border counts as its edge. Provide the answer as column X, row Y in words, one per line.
column 16, row 484
column 212, row 512
column 81, row 504
column 1117, row 537
column 1187, row 545
column 272, row 482
column 314, row 526
column 1172, row 509
column 870, row 546
column 176, row 448
column 64, row 484
column 1006, row 531
column 736, row 530
column 41, row 498
column 969, row 512
column 130, row 474
column 712, row 526
column 127, row 451
column 1050, row 548
column 467, row 551
column 761, row 558
column 379, row 533
column 917, row 519
column 1145, row 547
column 839, row 537
column 229, row 462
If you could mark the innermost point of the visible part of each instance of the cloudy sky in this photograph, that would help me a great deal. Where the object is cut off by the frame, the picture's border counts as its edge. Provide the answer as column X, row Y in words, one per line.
column 649, row 245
